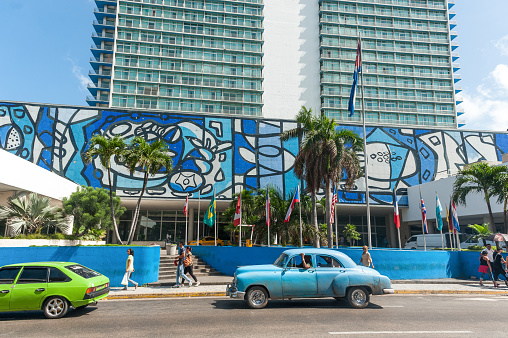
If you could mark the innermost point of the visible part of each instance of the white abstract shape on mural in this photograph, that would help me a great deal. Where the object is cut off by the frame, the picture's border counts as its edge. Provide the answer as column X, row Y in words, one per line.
column 247, row 155
column 289, row 160
column 251, row 140
column 410, row 166
column 434, row 141
column 33, row 111
column 484, row 145
column 454, row 153
column 238, row 125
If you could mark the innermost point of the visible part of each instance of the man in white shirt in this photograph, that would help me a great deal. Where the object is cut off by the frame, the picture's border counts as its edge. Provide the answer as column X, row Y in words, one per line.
column 490, row 255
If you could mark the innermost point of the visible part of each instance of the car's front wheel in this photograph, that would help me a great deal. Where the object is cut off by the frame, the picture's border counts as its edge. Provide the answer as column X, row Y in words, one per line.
column 55, row 307
column 358, row 297
column 257, row 297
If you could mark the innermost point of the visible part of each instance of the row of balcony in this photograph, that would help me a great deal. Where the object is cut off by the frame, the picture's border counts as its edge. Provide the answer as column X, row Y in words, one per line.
column 198, row 5
column 392, row 109
column 181, row 70
column 418, row 16
column 366, row 34
column 387, row 84
column 413, row 4
column 151, row 93
column 381, row 48
column 217, row 84
column 390, row 73
column 385, row 25
column 400, row 97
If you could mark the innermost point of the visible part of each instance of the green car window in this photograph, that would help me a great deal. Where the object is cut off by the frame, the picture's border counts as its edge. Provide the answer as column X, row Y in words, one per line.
column 57, row 276
column 82, row 271
column 33, row 275
column 8, row 275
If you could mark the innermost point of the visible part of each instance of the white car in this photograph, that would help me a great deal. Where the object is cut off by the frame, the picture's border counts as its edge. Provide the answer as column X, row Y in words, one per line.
column 470, row 241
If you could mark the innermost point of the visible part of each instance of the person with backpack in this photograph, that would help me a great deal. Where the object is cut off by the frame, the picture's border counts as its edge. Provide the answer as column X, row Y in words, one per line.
column 180, row 267
column 189, row 265
column 498, row 268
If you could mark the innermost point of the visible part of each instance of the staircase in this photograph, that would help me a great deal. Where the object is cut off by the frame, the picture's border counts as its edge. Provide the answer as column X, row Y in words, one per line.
column 167, row 269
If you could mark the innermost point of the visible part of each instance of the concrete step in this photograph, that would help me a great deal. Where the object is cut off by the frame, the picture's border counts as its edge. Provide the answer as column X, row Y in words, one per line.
column 197, row 274
column 196, row 268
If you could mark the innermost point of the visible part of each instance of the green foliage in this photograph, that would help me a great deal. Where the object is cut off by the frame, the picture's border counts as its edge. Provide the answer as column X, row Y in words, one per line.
column 350, row 233
column 481, row 231
column 90, row 208
column 31, row 213
column 475, row 247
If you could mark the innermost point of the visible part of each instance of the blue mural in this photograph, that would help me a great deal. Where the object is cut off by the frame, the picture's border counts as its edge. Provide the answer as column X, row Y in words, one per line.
column 228, row 153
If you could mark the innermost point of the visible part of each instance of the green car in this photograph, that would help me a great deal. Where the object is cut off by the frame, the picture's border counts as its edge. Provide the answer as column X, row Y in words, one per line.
column 50, row 286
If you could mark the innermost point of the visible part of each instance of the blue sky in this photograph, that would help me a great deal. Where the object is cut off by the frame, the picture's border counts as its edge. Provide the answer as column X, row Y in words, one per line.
column 46, row 49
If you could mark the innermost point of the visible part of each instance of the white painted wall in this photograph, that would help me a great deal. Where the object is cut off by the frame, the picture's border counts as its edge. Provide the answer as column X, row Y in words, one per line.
column 291, row 57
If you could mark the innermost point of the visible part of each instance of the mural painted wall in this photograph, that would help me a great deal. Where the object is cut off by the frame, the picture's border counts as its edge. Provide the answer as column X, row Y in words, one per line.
column 229, row 153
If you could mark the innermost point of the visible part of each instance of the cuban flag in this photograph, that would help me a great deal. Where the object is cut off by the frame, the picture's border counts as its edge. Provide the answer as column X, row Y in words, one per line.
column 424, row 217
column 296, row 198
column 334, row 201
column 185, row 207
column 268, row 212
column 396, row 219
column 358, row 69
column 238, row 215
column 455, row 218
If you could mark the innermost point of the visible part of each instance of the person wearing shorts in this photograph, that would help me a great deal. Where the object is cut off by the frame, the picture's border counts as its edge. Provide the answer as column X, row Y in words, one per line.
column 484, row 266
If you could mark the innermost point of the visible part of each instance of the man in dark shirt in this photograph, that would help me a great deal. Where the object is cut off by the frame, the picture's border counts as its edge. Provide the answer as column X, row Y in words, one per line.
column 498, row 268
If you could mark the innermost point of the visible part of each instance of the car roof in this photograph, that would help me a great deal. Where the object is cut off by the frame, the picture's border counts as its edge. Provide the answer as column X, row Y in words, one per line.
column 315, row 251
column 59, row 264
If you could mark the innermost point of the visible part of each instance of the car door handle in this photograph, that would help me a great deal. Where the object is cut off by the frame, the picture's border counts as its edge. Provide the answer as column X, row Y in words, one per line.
column 39, row 290
column 310, row 271
column 4, row 291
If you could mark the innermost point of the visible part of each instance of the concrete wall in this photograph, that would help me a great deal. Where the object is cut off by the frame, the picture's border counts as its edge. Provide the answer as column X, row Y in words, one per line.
column 396, row 264
column 110, row 261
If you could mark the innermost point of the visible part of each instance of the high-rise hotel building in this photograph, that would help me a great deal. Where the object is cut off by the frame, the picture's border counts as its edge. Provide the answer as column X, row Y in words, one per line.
column 270, row 57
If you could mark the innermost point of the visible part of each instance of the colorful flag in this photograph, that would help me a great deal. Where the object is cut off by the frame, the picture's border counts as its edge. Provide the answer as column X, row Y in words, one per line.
column 449, row 217
column 358, row 69
column 236, row 220
column 296, row 198
column 268, row 212
column 439, row 218
column 396, row 218
column 186, row 204
column 334, row 201
column 424, row 216
column 455, row 218
column 210, row 213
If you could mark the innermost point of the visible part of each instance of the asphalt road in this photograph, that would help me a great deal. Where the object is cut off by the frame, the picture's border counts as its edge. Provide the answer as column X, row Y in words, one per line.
column 386, row 316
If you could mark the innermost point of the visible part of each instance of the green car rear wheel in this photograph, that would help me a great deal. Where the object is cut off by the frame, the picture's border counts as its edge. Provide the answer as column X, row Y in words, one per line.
column 55, row 307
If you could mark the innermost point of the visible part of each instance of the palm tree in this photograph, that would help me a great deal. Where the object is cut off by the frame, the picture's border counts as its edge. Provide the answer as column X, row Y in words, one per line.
column 477, row 178
column 501, row 192
column 105, row 149
column 482, row 232
column 149, row 159
column 30, row 213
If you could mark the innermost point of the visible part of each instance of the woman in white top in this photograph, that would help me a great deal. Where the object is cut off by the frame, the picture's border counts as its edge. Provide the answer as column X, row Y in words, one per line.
column 129, row 269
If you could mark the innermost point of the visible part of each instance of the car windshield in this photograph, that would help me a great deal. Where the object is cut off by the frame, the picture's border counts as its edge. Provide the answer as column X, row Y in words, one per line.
column 82, row 271
column 281, row 260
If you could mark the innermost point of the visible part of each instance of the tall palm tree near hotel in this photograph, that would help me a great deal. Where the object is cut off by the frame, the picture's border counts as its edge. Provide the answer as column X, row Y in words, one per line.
column 501, row 192
column 478, row 178
column 105, row 149
column 150, row 159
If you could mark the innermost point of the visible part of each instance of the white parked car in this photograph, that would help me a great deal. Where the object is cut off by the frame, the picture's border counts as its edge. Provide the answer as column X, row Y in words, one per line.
column 431, row 241
column 470, row 241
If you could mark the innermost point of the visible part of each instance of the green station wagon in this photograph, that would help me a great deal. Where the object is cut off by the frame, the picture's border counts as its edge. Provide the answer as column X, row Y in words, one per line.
column 50, row 286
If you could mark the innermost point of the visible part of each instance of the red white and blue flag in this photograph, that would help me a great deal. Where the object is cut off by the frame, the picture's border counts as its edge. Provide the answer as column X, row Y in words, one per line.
column 185, row 207
column 455, row 218
column 396, row 218
column 238, row 212
column 296, row 198
column 358, row 69
column 268, row 212
column 334, row 201
column 424, row 217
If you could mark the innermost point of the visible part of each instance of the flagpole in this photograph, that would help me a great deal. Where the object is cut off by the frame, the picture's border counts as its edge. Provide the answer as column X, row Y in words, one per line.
column 423, row 227
column 366, row 161
column 267, row 212
column 215, row 219
column 301, row 229
column 336, row 227
column 199, row 209
column 240, row 237
column 186, row 219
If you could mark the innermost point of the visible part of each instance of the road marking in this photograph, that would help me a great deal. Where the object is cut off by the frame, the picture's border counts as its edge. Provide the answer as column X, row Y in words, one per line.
column 400, row 332
column 383, row 306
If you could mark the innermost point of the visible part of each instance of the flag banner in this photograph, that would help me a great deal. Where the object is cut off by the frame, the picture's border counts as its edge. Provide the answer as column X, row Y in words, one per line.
column 455, row 218
column 449, row 217
column 296, row 198
column 424, row 216
column 439, row 218
column 334, row 201
column 210, row 213
column 236, row 220
column 186, row 205
column 268, row 212
column 358, row 69
column 396, row 219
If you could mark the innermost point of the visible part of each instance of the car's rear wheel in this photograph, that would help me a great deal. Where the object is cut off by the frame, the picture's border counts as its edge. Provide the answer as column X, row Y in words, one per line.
column 358, row 297
column 55, row 307
column 257, row 297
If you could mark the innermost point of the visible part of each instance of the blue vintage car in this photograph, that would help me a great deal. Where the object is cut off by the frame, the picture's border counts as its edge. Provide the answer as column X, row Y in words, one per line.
column 308, row 273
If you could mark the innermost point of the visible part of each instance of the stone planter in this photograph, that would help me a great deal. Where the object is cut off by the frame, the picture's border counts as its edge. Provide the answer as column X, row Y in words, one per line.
column 171, row 249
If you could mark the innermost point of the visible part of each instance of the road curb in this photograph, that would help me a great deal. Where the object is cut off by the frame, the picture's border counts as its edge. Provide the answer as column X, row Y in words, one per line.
column 169, row 295
column 449, row 292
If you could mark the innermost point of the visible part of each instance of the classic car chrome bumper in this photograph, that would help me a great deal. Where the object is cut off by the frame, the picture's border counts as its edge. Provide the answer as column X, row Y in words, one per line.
column 232, row 292
column 388, row 291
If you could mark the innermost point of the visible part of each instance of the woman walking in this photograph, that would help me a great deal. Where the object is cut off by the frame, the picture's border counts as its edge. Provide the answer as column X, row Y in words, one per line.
column 484, row 266
column 366, row 260
column 129, row 269
column 189, row 265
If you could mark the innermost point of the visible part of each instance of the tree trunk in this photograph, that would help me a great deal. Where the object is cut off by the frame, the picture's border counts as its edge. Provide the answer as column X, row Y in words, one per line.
column 505, row 216
column 136, row 211
column 492, row 225
column 115, row 226
column 328, row 203
column 314, row 221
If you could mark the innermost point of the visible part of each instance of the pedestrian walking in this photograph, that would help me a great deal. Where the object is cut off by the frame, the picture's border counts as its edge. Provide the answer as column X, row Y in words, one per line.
column 188, row 264
column 366, row 260
column 498, row 268
column 180, row 267
column 490, row 254
column 484, row 266
column 129, row 269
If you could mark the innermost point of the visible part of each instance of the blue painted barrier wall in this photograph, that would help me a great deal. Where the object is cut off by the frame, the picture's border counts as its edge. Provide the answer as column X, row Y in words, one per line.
column 396, row 264
column 108, row 260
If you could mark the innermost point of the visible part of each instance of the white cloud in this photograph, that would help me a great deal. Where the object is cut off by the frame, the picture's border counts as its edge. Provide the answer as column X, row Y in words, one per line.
column 502, row 45
column 79, row 74
column 487, row 107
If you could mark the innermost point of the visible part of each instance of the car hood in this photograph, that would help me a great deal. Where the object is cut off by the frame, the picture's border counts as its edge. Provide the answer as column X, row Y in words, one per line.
column 262, row 267
column 369, row 270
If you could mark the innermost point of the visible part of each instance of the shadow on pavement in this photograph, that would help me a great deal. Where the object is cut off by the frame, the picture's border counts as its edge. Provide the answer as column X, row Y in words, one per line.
column 37, row 315
column 235, row 304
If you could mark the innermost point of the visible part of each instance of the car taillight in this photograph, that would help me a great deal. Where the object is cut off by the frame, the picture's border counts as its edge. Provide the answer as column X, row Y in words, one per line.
column 90, row 290
column 106, row 285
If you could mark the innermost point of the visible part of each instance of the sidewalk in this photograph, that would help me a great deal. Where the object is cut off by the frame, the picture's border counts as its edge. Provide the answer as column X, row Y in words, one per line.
column 216, row 286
